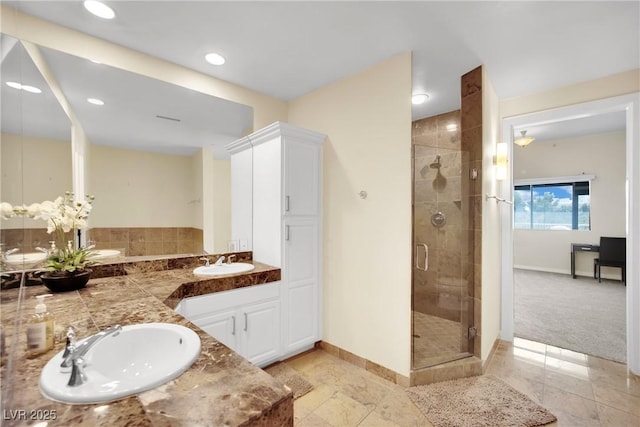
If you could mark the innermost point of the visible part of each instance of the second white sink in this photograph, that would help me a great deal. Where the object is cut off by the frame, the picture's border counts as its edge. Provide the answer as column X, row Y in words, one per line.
column 25, row 258
column 218, row 270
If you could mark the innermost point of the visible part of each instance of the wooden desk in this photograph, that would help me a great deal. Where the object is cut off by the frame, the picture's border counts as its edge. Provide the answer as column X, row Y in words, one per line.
column 580, row 247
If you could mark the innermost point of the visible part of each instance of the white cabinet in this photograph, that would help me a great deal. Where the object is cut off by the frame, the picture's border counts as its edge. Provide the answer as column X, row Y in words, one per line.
column 286, row 225
column 287, row 166
column 301, row 177
column 300, row 299
column 246, row 320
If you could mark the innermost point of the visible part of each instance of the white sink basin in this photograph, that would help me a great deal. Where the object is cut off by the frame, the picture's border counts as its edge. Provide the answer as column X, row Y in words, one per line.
column 104, row 253
column 25, row 258
column 218, row 270
column 139, row 358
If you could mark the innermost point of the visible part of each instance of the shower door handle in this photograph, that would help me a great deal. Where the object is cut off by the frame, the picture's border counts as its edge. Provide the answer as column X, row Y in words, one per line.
column 426, row 257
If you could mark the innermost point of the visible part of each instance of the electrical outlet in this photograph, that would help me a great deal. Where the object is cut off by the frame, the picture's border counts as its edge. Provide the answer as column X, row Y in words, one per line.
column 244, row 244
column 232, row 245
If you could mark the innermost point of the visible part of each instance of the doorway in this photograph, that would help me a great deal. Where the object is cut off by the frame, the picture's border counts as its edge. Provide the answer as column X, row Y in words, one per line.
column 630, row 104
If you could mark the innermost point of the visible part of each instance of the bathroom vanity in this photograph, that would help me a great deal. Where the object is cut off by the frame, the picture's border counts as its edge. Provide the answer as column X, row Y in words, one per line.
column 220, row 388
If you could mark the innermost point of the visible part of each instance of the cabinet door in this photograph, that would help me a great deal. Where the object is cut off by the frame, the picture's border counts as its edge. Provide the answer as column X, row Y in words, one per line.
column 261, row 332
column 222, row 325
column 301, row 178
column 301, row 290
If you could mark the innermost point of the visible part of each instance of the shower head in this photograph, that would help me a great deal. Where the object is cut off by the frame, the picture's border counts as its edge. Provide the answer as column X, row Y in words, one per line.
column 436, row 164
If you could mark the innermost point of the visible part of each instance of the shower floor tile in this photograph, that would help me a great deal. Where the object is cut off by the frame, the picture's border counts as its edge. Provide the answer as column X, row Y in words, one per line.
column 434, row 337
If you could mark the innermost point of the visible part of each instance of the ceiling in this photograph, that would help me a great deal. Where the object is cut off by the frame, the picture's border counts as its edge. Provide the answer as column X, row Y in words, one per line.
column 288, row 49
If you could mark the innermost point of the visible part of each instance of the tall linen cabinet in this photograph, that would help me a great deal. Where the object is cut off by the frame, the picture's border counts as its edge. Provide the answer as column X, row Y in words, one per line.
column 287, row 224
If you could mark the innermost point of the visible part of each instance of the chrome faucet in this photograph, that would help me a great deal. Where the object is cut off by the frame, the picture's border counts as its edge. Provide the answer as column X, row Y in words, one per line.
column 220, row 260
column 75, row 353
column 207, row 263
column 231, row 258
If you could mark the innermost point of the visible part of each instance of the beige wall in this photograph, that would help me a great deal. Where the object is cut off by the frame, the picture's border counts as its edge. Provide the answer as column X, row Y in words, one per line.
column 491, row 216
column 221, row 204
column 140, row 189
column 366, row 243
column 602, row 155
column 606, row 87
column 33, row 170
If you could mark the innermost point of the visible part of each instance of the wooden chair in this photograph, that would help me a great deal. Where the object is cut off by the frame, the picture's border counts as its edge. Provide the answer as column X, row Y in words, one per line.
column 613, row 253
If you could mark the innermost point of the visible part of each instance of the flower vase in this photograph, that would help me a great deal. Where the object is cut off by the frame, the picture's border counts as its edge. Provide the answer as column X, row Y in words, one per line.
column 57, row 282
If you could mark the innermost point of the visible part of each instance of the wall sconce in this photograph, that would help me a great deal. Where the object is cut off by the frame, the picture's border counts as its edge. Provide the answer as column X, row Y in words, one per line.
column 500, row 160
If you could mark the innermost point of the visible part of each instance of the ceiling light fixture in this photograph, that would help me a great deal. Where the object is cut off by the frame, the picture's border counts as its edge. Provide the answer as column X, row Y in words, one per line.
column 95, row 101
column 214, row 58
column 419, row 98
column 16, row 85
column 452, row 127
column 99, row 9
column 524, row 140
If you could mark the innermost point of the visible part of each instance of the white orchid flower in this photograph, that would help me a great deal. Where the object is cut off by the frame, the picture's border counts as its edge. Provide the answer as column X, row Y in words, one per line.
column 6, row 210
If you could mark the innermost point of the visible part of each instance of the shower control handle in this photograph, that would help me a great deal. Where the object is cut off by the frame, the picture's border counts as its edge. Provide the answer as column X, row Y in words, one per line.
column 426, row 257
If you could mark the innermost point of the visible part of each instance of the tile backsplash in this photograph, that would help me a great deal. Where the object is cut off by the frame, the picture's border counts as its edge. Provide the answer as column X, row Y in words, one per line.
column 141, row 241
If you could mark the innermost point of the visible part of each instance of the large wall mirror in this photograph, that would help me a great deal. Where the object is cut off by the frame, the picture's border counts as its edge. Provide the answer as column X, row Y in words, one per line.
column 154, row 159
column 35, row 146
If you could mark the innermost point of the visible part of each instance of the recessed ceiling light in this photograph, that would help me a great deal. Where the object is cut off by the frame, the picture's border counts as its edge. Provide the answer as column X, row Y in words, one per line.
column 31, row 89
column 214, row 58
column 95, row 101
column 27, row 88
column 99, row 9
column 419, row 98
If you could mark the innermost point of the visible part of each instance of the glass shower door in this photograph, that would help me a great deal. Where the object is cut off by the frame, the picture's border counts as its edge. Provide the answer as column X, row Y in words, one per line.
column 443, row 262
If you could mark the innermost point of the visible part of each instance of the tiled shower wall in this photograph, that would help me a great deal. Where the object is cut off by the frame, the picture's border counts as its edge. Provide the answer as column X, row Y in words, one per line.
column 441, row 289
column 149, row 241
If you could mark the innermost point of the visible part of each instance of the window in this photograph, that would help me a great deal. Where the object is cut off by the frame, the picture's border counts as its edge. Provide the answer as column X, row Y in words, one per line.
column 552, row 206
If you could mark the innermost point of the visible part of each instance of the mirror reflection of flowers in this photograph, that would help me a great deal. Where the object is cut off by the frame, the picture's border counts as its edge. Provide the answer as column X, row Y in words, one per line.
column 63, row 216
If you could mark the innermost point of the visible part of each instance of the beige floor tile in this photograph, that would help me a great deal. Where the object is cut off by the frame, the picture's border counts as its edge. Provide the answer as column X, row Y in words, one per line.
column 316, row 397
column 341, row 410
column 611, row 417
column 614, row 375
column 565, row 367
column 569, row 383
column 570, row 409
column 376, row 420
column 309, row 361
column 300, row 411
column 312, row 420
column 567, row 355
column 397, row 407
column 617, row 399
column 363, row 386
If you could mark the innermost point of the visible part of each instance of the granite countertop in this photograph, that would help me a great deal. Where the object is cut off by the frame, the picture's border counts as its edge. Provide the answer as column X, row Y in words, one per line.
column 220, row 388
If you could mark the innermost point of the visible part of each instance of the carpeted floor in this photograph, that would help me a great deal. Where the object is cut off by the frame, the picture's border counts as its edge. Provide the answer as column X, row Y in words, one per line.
column 576, row 314
column 484, row 401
